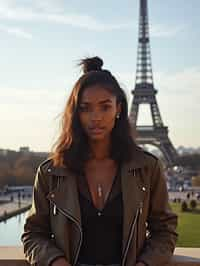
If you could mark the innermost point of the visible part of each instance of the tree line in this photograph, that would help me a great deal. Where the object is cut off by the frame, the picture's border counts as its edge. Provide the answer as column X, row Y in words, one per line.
column 191, row 161
column 18, row 168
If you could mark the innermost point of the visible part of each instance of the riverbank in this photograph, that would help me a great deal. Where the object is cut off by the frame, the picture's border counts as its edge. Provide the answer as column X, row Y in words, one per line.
column 11, row 209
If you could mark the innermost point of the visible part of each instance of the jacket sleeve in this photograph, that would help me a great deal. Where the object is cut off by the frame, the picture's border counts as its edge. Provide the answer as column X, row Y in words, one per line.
column 39, row 248
column 161, row 223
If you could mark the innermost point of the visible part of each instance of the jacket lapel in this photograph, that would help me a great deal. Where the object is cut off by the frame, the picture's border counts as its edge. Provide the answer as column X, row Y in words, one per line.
column 131, row 192
column 65, row 197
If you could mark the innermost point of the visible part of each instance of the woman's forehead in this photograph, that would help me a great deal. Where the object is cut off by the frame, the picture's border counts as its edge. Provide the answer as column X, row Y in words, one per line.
column 97, row 94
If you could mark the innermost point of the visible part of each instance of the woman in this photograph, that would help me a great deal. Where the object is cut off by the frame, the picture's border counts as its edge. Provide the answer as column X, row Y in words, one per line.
column 99, row 199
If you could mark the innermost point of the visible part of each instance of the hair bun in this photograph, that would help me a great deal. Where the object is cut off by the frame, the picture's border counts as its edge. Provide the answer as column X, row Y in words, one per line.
column 91, row 64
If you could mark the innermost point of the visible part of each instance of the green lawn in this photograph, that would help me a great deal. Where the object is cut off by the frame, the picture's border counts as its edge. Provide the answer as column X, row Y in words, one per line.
column 188, row 227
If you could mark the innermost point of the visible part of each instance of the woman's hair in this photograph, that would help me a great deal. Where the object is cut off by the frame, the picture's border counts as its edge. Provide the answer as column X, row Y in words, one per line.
column 71, row 148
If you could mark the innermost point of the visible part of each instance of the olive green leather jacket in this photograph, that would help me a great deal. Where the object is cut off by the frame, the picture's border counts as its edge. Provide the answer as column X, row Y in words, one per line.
column 53, row 225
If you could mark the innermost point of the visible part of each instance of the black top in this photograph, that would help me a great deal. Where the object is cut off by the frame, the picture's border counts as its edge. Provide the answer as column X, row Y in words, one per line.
column 102, row 229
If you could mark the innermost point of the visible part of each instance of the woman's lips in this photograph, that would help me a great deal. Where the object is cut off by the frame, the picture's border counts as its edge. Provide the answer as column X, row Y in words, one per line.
column 96, row 130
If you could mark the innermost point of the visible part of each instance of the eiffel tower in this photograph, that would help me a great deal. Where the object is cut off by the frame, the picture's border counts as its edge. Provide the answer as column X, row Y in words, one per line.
column 145, row 93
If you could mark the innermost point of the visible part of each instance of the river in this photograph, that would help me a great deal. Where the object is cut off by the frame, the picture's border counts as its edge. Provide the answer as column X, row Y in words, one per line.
column 11, row 230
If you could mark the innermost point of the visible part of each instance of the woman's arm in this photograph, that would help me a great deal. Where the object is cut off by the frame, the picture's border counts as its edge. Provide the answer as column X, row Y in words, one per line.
column 162, row 223
column 60, row 262
column 39, row 248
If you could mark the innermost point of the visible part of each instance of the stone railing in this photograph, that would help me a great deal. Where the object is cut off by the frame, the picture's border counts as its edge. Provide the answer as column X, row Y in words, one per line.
column 13, row 256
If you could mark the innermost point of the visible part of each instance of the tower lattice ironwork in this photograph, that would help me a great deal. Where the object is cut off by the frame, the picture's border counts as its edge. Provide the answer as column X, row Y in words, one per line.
column 145, row 93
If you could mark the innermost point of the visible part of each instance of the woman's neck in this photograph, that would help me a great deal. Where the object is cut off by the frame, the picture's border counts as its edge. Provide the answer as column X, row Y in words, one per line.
column 100, row 150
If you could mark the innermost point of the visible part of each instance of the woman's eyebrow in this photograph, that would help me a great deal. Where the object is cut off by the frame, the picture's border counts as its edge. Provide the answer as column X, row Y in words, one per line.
column 100, row 102
column 106, row 101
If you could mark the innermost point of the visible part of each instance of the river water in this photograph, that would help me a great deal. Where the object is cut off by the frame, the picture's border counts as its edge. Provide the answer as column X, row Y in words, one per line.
column 11, row 230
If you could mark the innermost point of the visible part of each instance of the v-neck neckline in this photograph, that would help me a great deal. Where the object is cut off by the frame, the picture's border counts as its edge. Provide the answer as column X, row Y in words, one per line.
column 109, row 194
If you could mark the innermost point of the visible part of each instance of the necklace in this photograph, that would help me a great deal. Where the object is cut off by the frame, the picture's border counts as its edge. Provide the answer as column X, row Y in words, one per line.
column 100, row 193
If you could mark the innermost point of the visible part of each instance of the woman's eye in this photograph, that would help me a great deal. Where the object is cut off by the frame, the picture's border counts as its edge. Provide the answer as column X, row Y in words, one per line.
column 106, row 107
column 84, row 108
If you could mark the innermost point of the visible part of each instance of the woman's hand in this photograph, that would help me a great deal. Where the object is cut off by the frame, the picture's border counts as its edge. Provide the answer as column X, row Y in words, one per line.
column 60, row 262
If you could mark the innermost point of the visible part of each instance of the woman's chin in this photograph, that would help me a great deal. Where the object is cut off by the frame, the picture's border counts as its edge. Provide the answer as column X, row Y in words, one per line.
column 97, row 137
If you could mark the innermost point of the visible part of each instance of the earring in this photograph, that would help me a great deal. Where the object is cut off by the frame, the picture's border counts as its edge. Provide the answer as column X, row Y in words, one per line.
column 118, row 116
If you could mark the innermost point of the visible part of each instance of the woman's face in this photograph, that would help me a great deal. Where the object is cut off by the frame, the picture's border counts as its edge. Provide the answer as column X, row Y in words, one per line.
column 97, row 112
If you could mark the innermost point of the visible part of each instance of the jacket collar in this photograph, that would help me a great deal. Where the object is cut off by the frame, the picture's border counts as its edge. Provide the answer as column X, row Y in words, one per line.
column 138, row 161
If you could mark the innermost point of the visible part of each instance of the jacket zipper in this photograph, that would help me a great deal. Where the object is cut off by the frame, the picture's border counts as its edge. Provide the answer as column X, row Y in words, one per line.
column 54, row 205
column 81, row 233
column 80, row 229
column 139, row 211
column 130, row 235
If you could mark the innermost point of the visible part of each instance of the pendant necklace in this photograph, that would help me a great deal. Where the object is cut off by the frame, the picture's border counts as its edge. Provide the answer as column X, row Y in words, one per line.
column 99, row 191
column 100, row 194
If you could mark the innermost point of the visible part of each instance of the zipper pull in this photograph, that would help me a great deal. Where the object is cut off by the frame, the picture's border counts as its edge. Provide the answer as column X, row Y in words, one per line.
column 141, row 206
column 54, row 210
column 134, row 172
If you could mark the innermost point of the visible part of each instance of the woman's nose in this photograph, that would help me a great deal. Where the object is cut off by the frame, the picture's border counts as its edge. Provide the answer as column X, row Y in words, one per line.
column 96, row 116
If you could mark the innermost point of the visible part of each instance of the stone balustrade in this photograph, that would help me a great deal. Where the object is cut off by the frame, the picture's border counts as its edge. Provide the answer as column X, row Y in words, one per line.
column 13, row 256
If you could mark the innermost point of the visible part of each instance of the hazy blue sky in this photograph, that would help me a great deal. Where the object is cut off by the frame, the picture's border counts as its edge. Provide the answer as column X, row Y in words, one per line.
column 41, row 41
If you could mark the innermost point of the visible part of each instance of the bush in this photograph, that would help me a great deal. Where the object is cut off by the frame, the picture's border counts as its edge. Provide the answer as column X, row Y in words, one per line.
column 193, row 204
column 184, row 206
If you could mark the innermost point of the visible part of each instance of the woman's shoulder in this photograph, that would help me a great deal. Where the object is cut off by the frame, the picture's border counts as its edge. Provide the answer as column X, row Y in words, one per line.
column 48, row 168
column 152, row 166
column 48, row 174
column 151, row 158
column 46, row 165
column 143, row 158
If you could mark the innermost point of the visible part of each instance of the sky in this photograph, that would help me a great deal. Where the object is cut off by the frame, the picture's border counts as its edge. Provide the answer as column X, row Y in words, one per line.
column 42, row 41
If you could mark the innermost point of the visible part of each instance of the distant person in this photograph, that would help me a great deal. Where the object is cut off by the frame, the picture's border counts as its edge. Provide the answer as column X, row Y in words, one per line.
column 19, row 196
column 188, row 195
column 11, row 198
column 98, row 194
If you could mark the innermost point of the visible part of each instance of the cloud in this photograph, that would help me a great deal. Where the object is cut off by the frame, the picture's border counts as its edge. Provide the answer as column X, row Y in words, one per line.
column 54, row 12
column 21, row 97
column 86, row 22
column 46, row 12
column 184, row 82
column 164, row 31
column 18, row 32
column 50, row 6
